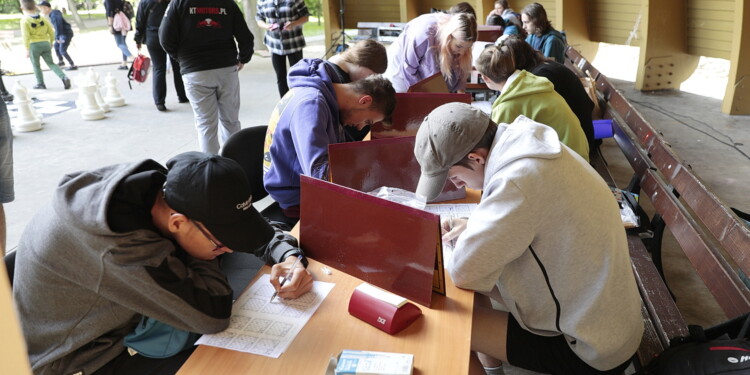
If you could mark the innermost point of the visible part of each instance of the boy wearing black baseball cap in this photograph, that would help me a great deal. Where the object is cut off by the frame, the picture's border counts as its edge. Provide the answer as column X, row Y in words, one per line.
column 546, row 243
column 138, row 239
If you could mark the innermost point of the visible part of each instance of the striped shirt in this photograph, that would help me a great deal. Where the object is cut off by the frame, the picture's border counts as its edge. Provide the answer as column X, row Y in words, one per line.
column 280, row 12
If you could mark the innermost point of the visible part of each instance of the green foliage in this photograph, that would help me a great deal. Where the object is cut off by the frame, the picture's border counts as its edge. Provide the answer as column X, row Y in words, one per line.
column 9, row 6
column 315, row 7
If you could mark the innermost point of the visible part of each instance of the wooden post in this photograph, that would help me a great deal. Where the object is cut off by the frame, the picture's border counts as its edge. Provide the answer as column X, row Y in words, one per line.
column 737, row 96
column 574, row 18
column 664, row 62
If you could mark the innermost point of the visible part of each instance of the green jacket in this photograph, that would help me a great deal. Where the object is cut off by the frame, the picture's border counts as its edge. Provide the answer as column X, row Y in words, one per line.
column 36, row 28
column 535, row 97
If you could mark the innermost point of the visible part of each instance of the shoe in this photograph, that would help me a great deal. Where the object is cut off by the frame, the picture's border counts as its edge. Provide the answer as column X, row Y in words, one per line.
column 61, row 64
column 161, row 107
column 66, row 82
column 123, row 67
column 72, row 67
column 184, row 100
column 7, row 97
column 40, row 86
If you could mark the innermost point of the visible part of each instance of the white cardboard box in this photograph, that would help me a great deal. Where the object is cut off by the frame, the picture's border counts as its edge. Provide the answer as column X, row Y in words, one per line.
column 357, row 362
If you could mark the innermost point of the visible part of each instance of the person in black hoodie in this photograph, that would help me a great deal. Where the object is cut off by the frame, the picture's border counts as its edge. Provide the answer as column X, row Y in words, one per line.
column 201, row 35
column 147, row 22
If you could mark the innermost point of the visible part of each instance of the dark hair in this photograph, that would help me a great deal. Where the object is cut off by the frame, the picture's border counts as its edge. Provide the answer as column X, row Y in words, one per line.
column 367, row 53
column 495, row 20
column 503, row 3
column 485, row 142
column 382, row 93
column 525, row 57
column 496, row 62
column 29, row 5
column 462, row 7
column 538, row 16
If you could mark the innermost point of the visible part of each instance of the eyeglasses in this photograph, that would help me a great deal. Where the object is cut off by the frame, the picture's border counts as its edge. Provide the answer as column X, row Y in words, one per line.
column 217, row 246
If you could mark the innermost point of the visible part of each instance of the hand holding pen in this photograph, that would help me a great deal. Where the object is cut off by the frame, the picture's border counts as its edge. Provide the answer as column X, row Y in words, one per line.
column 294, row 282
column 453, row 227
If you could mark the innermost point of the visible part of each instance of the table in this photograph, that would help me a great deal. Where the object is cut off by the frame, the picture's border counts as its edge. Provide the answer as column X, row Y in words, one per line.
column 440, row 339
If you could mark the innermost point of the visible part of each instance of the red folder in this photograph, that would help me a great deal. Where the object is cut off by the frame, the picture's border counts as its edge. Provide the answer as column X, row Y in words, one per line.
column 433, row 83
column 411, row 108
column 389, row 245
column 368, row 165
column 488, row 33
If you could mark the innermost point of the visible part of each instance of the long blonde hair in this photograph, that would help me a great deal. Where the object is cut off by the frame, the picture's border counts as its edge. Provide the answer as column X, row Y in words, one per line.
column 465, row 26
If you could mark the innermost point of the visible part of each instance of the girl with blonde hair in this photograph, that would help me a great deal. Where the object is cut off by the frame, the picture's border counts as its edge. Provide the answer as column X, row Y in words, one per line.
column 522, row 93
column 430, row 44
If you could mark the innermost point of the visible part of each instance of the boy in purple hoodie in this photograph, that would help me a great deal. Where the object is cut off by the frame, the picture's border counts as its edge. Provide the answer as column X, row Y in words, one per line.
column 309, row 118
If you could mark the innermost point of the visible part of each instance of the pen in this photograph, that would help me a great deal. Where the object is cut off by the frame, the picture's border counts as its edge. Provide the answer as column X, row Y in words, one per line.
column 288, row 275
column 450, row 226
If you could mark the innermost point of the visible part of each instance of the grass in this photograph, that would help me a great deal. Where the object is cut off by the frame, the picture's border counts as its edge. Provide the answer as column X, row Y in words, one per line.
column 10, row 22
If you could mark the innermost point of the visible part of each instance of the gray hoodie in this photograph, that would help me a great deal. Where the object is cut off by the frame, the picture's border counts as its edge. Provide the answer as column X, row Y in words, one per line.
column 545, row 211
column 80, row 287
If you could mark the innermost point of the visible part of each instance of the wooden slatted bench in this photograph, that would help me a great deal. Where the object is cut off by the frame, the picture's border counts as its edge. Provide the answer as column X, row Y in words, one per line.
column 713, row 238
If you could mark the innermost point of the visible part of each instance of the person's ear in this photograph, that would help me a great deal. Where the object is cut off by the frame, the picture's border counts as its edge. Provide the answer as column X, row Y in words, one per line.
column 480, row 156
column 365, row 100
column 177, row 222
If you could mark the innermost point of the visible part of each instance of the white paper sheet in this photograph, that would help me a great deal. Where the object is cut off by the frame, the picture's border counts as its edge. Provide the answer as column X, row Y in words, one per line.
column 267, row 328
column 444, row 210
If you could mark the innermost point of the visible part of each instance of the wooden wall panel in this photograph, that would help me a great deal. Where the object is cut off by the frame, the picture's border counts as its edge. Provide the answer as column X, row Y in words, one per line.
column 549, row 5
column 377, row 11
column 613, row 21
column 710, row 24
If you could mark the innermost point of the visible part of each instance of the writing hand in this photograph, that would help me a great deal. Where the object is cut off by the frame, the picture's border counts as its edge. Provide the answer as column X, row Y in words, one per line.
column 301, row 280
column 458, row 225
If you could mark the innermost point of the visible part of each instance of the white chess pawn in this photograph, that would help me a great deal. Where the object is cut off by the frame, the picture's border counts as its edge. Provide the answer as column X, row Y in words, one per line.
column 27, row 120
column 90, row 109
column 113, row 96
column 80, row 81
column 94, row 77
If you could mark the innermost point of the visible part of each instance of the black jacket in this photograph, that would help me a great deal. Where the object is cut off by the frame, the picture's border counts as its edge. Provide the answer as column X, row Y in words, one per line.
column 571, row 89
column 201, row 34
column 148, row 19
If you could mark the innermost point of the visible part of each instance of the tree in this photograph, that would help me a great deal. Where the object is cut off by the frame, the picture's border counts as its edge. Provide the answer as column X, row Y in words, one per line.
column 315, row 7
column 249, row 8
column 76, row 17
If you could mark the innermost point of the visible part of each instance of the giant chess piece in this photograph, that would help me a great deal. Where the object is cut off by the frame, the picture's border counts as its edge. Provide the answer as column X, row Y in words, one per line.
column 113, row 96
column 90, row 109
column 94, row 77
column 27, row 120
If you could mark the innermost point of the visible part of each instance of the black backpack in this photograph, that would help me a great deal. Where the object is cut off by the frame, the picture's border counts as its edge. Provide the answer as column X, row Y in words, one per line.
column 722, row 349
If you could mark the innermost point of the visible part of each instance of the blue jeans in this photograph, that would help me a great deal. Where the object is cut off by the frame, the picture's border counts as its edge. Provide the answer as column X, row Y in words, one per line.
column 61, row 49
column 120, row 40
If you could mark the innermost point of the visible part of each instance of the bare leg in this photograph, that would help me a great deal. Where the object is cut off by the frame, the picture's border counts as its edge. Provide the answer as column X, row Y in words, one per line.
column 489, row 333
column 2, row 230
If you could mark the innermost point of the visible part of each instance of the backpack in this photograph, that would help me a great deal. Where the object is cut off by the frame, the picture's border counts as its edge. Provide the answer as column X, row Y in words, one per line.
column 722, row 349
column 139, row 70
column 154, row 339
column 127, row 8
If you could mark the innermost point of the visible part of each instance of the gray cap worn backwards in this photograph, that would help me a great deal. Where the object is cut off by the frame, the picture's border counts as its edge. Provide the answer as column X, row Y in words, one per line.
column 446, row 136
column 214, row 190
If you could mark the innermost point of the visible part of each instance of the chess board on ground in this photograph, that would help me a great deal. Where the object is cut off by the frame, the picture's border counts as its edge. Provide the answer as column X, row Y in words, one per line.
column 44, row 108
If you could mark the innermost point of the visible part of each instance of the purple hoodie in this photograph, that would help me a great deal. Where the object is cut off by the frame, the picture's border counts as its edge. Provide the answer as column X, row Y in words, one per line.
column 303, row 124
column 414, row 55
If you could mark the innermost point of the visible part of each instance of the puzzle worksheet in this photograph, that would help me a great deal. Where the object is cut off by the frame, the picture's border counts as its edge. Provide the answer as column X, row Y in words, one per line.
column 265, row 327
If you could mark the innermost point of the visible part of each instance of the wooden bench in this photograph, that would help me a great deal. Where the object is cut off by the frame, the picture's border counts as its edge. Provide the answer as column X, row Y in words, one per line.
column 713, row 238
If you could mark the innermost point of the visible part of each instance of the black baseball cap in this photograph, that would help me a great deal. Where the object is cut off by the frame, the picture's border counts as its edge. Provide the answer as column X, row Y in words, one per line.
column 45, row 4
column 214, row 190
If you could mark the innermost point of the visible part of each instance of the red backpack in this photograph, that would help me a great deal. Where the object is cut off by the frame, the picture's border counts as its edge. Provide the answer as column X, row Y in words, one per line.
column 139, row 70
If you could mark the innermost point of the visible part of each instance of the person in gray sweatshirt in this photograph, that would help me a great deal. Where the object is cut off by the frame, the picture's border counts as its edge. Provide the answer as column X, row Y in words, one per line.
column 546, row 243
column 133, row 240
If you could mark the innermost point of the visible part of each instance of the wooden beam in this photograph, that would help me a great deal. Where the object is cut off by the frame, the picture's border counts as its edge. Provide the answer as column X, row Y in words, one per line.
column 664, row 63
column 574, row 19
column 737, row 96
